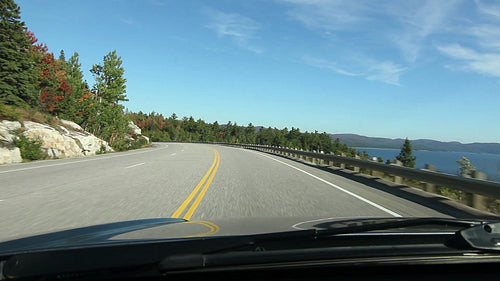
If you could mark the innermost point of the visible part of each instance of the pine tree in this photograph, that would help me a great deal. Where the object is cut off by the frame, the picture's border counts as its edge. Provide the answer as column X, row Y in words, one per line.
column 108, row 120
column 62, row 56
column 405, row 156
column 76, row 106
column 110, row 86
column 16, row 72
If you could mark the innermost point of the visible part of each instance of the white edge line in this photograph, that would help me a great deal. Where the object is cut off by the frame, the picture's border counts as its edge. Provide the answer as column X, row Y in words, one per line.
column 135, row 165
column 76, row 162
column 337, row 187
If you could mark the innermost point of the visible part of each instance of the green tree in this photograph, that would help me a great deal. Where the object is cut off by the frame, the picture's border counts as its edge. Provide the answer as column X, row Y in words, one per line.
column 250, row 133
column 62, row 56
column 108, row 120
column 405, row 156
column 16, row 71
column 76, row 106
column 465, row 166
column 110, row 83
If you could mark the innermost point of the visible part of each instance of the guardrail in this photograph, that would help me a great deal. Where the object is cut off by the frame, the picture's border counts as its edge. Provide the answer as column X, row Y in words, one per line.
column 477, row 187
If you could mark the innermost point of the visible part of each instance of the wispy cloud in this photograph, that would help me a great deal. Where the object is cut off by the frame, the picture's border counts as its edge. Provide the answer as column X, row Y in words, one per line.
column 327, row 15
column 415, row 24
column 240, row 29
column 405, row 24
column 127, row 20
column 321, row 63
column 338, row 20
column 370, row 69
column 470, row 60
column 488, row 35
column 481, row 55
column 489, row 9
column 385, row 71
column 411, row 28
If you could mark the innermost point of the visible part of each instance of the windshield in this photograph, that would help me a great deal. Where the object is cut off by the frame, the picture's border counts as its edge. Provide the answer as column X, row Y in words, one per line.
column 202, row 118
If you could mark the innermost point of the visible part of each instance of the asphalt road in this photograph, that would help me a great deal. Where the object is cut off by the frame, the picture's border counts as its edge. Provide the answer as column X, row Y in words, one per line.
column 192, row 181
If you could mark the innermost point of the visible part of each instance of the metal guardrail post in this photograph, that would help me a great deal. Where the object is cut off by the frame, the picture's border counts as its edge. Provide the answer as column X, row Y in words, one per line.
column 342, row 165
column 398, row 179
column 375, row 173
column 430, row 187
column 355, row 168
column 479, row 201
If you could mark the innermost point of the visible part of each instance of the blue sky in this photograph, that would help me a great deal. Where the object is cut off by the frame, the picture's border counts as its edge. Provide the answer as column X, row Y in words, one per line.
column 416, row 69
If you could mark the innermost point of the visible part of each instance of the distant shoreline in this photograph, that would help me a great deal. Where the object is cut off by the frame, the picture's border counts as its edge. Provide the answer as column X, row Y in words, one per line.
column 361, row 148
column 354, row 140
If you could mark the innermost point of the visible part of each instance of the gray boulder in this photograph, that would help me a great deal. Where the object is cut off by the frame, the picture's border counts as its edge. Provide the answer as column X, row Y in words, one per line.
column 10, row 155
column 134, row 128
column 7, row 129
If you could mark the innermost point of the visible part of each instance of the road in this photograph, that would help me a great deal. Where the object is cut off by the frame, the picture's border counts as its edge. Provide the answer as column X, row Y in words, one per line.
column 192, row 181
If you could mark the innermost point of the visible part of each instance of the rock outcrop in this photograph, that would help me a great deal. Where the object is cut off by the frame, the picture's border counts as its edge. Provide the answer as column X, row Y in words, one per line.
column 136, row 132
column 134, row 128
column 10, row 155
column 61, row 141
column 7, row 128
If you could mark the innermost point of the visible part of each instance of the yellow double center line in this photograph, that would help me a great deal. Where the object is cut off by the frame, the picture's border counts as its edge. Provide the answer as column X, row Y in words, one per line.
column 212, row 226
column 205, row 182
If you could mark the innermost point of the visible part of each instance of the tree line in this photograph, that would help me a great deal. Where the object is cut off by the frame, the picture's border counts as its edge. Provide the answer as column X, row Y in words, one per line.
column 160, row 128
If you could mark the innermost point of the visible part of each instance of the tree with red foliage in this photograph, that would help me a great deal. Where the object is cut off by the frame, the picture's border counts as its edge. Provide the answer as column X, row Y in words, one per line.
column 51, row 77
column 52, row 84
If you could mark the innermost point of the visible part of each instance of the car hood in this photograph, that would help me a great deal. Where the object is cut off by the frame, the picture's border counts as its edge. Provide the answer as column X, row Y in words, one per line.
column 172, row 229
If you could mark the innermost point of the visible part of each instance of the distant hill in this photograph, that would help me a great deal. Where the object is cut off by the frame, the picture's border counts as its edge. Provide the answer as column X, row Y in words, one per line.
column 420, row 144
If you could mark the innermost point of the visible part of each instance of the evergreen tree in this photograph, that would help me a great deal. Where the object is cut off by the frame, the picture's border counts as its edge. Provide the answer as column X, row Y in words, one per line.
column 16, row 72
column 76, row 106
column 110, row 83
column 62, row 56
column 250, row 133
column 405, row 156
column 108, row 120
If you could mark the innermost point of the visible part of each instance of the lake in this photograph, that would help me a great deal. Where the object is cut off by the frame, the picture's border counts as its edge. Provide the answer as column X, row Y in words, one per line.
column 445, row 161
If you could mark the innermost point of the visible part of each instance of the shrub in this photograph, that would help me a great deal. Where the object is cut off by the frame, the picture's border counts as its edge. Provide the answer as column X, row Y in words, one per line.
column 122, row 143
column 30, row 149
column 8, row 112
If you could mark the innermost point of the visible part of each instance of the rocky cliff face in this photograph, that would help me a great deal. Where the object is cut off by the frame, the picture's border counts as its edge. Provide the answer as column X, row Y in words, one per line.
column 61, row 141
